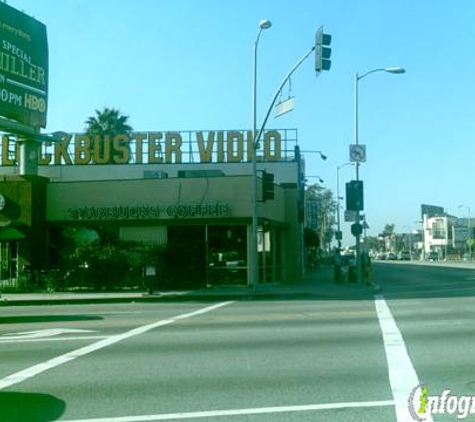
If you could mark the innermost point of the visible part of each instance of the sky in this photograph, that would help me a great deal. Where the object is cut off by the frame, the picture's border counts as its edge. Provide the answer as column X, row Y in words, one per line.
column 188, row 65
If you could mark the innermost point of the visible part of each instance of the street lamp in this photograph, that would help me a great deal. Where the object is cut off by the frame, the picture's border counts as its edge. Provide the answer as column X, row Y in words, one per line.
column 469, row 240
column 254, row 258
column 322, row 155
column 395, row 70
column 339, row 234
column 316, row 177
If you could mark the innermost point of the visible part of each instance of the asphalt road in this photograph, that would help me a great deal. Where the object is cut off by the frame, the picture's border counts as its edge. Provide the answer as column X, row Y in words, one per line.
column 301, row 360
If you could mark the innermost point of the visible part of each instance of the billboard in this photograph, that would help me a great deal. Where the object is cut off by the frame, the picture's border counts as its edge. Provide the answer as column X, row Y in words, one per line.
column 23, row 68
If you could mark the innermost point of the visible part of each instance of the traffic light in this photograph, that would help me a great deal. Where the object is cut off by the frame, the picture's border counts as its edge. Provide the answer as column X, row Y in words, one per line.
column 267, row 186
column 322, row 51
column 354, row 196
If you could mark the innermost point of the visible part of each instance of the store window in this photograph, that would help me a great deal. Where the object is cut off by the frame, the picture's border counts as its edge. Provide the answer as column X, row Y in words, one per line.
column 227, row 254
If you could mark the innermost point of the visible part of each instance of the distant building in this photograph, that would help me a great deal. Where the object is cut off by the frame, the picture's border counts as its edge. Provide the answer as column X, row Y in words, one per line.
column 438, row 234
column 461, row 235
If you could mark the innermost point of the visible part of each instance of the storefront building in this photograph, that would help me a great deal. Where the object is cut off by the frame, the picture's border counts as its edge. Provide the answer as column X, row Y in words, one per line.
column 188, row 189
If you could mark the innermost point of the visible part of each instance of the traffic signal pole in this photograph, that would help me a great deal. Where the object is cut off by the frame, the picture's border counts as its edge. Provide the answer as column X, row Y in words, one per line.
column 255, row 146
column 359, row 278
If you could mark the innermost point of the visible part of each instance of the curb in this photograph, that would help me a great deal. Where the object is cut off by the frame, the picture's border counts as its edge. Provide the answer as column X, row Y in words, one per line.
column 321, row 287
column 346, row 294
column 160, row 299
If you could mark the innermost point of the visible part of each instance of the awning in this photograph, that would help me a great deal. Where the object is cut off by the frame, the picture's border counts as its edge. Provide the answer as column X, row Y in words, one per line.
column 11, row 233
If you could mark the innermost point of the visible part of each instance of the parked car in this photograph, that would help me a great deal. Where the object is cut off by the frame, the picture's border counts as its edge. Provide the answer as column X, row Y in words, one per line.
column 391, row 256
column 433, row 256
column 404, row 256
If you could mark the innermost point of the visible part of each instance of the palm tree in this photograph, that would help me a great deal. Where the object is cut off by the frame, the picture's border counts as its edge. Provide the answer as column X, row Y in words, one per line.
column 388, row 234
column 102, row 129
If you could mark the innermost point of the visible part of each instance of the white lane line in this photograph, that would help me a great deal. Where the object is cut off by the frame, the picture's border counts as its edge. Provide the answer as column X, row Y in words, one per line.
column 402, row 375
column 68, row 357
column 43, row 333
column 239, row 412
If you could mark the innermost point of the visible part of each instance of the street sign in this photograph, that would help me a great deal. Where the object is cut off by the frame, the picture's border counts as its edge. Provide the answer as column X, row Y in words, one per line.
column 284, row 107
column 350, row 216
column 357, row 153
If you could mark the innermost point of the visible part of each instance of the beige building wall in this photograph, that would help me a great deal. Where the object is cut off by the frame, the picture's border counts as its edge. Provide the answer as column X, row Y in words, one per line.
column 162, row 193
column 142, row 209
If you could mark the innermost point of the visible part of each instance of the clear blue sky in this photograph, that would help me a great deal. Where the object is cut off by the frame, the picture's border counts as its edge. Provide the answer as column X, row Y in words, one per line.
column 187, row 65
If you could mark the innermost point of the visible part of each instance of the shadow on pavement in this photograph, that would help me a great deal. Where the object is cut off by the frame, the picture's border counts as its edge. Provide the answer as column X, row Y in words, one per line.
column 30, row 407
column 21, row 319
column 412, row 281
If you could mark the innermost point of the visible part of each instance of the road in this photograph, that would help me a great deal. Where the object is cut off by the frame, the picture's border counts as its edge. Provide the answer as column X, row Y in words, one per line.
column 300, row 360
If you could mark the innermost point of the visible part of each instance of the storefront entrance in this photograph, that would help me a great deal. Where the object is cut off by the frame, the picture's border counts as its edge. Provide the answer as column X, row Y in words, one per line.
column 186, row 255
column 227, row 254
column 217, row 254
column 208, row 254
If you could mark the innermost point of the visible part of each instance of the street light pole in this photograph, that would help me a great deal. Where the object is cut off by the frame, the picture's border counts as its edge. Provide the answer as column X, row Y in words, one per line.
column 469, row 224
column 254, row 257
column 257, row 136
column 469, row 235
column 395, row 70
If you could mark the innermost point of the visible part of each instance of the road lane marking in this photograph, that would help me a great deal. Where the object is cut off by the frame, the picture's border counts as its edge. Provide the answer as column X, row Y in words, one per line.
column 70, row 356
column 402, row 375
column 31, row 340
column 44, row 333
column 239, row 412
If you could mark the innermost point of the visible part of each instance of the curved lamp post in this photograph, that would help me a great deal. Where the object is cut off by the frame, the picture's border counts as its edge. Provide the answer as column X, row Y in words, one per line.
column 322, row 155
column 316, row 177
column 254, row 258
column 395, row 70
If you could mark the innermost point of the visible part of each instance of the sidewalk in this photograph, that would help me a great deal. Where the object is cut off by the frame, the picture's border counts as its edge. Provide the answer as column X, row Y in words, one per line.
column 316, row 286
